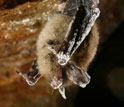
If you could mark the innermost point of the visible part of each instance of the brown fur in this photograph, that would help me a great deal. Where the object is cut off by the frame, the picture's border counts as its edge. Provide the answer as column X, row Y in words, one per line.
column 54, row 30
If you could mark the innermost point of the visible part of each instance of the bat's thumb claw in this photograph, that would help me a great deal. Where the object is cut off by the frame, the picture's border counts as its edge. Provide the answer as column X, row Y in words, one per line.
column 21, row 74
column 18, row 72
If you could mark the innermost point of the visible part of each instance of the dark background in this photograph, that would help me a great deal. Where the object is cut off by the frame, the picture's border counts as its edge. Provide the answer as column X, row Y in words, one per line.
column 110, row 56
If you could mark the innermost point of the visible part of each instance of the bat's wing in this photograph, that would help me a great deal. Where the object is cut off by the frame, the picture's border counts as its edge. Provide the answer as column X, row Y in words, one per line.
column 33, row 75
column 78, row 30
column 78, row 75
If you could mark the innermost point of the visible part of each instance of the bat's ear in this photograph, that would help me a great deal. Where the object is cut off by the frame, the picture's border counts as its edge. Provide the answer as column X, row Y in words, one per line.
column 57, row 80
column 33, row 75
column 78, row 75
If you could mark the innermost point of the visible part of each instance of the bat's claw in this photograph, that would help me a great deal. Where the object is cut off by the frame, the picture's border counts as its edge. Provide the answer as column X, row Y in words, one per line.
column 53, row 50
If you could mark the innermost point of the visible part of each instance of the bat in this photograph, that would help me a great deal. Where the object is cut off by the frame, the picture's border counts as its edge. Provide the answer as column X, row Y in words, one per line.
column 66, row 46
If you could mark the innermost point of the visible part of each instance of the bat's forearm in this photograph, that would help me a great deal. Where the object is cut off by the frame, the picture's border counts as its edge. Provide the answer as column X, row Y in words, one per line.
column 78, row 30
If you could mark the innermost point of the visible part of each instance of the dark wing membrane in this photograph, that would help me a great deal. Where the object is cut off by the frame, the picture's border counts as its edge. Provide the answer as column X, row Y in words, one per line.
column 33, row 75
column 78, row 75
